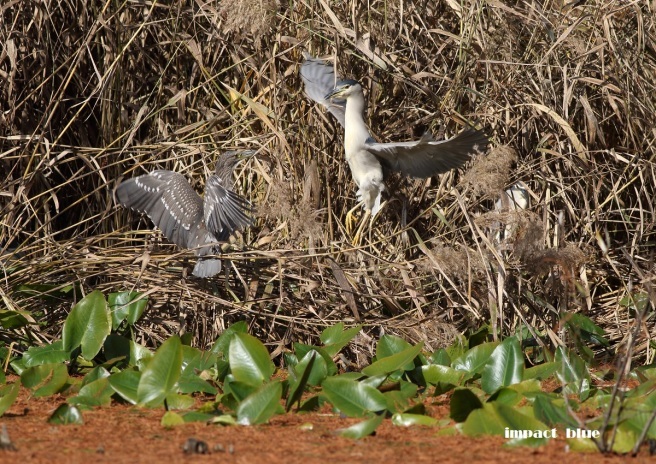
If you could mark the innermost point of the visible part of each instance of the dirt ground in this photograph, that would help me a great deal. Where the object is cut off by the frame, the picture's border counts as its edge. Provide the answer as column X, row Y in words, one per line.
column 123, row 433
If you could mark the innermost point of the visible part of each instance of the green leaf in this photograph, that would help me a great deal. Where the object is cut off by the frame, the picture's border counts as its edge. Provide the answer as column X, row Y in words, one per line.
column 474, row 360
column 303, row 371
column 399, row 400
column 8, row 394
column 239, row 390
column 10, row 319
column 176, row 401
column 301, row 350
column 46, row 354
column 362, row 429
column 96, row 393
column 573, row 373
column 505, row 366
column 406, row 420
column 126, row 305
column 400, row 360
column 441, row 357
column 353, row 398
column 541, row 371
column 87, row 325
column 260, row 406
column 190, row 383
column 389, row 345
column 463, row 402
column 495, row 418
column 126, row 383
column 171, row 419
column 161, row 373
column 66, row 414
column 335, row 338
column 45, row 379
column 222, row 344
column 546, row 411
column 436, row 373
column 249, row 360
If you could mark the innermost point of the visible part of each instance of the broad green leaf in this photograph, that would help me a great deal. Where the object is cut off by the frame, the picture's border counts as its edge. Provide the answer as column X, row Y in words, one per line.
column 501, row 420
column 171, row 419
column 126, row 305
column 473, row 361
column 224, row 419
column 440, row 357
column 191, row 383
column 96, row 393
column 406, row 420
column 45, row 379
column 353, row 398
column 140, row 356
column 240, row 390
column 573, row 373
column 303, row 371
column 161, row 373
column 125, row 383
column 335, row 338
column 505, row 366
column 389, row 345
column 362, row 429
column 10, row 319
column 87, row 325
column 97, row 373
column 541, row 371
column 8, row 394
column 318, row 371
column 176, row 401
column 546, row 411
column 507, row 396
column 196, row 416
column 301, row 350
column 399, row 400
column 436, row 373
column 260, row 406
column 46, row 354
column 66, row 414
column 53, row 293
column 249, row 360
column 195, row 361
column 222, row 344
column 463, row 402
column 400, row 360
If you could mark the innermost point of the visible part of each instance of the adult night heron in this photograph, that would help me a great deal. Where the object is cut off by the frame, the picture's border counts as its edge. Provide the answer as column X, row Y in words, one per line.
column 184, row 217
column 369, row 161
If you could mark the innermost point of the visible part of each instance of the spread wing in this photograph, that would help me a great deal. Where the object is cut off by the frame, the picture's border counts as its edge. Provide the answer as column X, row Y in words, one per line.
column 171, row 203
column 319, row 79
column 225, row 210
column 427, row 157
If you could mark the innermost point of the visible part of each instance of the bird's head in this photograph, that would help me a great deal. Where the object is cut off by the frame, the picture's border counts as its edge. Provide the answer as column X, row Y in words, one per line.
column 344, row 89
column 230, row 159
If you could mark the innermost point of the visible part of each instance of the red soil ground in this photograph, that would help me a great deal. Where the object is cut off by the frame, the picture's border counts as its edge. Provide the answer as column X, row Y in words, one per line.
column 127, row 434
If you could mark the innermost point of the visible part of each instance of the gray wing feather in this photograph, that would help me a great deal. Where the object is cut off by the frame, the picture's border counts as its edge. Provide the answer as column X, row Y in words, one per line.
column 427, row 157
column 225, row 210
column 319, row 79
column 171, row 203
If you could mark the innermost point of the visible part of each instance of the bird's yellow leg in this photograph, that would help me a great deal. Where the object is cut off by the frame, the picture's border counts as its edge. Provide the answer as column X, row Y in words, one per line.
column 357, row 238
column 349, row 221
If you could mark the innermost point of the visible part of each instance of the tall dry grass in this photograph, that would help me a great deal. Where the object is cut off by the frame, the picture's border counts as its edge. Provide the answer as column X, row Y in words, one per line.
column 92, row 91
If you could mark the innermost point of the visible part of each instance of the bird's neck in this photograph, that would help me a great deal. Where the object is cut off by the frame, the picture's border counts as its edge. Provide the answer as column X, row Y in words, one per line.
column 355, row 129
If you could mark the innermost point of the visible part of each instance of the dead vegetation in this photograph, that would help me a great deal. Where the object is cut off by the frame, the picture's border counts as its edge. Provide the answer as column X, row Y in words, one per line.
column 94, row 91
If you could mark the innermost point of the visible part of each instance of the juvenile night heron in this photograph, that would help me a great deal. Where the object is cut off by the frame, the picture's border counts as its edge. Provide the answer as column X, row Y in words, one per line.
column 369, row 161
column 184, row 217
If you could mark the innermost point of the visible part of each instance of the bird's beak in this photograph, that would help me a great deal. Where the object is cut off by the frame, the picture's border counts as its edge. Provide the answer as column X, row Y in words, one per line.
column 335, row 92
